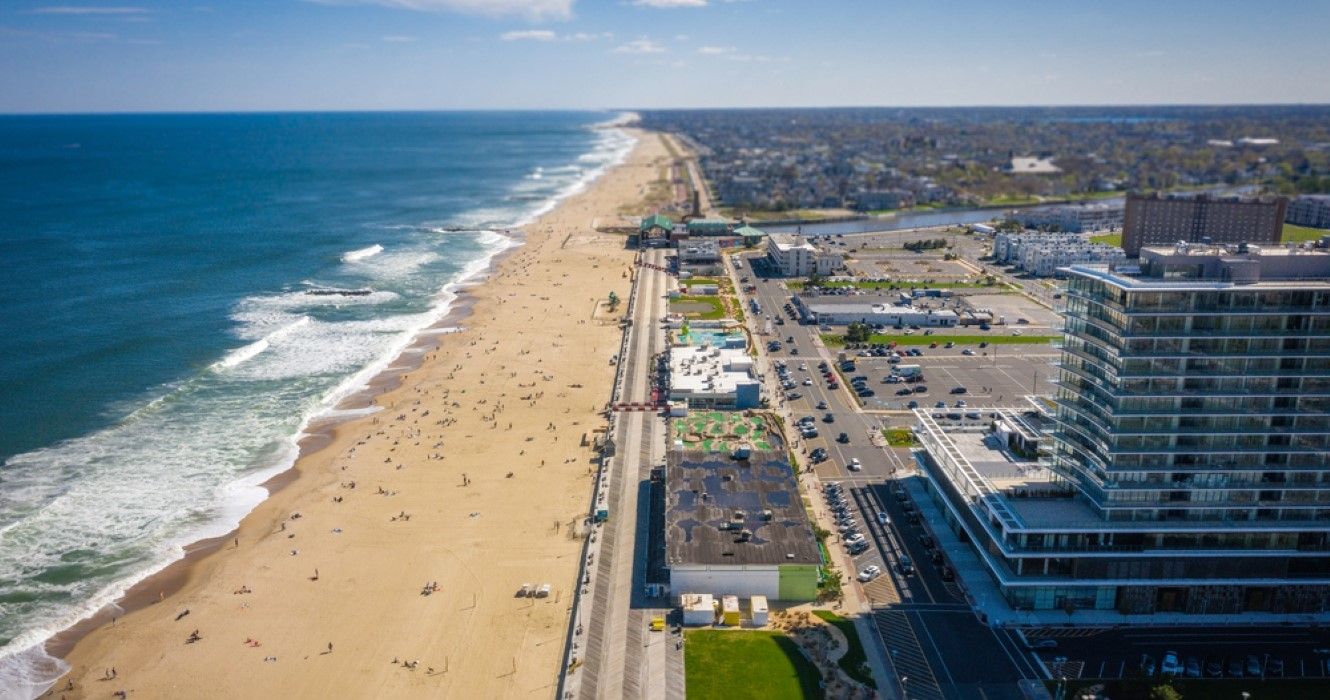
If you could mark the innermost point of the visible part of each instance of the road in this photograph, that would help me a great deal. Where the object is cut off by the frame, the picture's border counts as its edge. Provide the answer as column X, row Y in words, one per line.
column 926, row 632
column 622, row 659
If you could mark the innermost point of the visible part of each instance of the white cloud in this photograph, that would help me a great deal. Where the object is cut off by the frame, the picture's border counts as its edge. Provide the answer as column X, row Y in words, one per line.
column 715, row 50
column 85, row 10
column 670, row 3
column 530, row 9
column 640, row 46
column 528, row 35
column 398, row 39
column 547, row 35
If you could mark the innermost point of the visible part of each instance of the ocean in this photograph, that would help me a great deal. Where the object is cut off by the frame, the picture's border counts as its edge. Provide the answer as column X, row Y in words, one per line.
column 184, row 293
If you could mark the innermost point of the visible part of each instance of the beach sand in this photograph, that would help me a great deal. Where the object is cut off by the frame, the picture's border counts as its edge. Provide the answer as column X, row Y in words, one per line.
column 474, row 476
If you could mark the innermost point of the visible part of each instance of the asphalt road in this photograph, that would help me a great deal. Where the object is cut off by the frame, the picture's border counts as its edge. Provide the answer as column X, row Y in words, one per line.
column 1116, row 653
column 937, row 648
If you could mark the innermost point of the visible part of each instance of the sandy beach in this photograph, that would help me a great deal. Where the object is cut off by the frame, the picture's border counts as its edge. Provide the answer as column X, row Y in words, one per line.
column 388, row 563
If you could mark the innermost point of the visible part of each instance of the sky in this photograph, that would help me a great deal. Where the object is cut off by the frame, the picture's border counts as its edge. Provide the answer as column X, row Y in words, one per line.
column 245, row 55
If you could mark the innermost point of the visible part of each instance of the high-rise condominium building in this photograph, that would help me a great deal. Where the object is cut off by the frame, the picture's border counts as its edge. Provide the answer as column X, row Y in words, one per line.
column 1163, row 220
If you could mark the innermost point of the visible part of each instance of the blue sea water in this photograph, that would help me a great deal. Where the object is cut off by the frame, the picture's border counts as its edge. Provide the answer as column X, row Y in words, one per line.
column 161, row 347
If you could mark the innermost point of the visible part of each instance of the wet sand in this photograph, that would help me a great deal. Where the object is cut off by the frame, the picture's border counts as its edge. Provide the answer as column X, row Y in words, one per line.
column 388, row 561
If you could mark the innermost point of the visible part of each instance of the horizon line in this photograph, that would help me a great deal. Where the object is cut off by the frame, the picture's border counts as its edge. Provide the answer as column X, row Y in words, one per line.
column 443, row 110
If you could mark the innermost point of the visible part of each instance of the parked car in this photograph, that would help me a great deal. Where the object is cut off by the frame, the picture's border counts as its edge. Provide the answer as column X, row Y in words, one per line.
column 958, row 390
column 1191, row 668
column 1169, row 666
column 829, row 418
column 1274, row 666
column 843, row 438
column 854, row 465
column 869, row 573
column 821, row 405
column 883, row 518
column 906, row 566
column 852, row 539
column 1253, row 666
column 1147, row 665
column 1213, row 667
column 1233, row 667
column 912, row 404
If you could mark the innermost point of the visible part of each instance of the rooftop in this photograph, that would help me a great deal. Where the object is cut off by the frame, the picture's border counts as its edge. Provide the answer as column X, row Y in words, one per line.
column 869, row 308
column 705, row 491
column 1188, row 266
column 791, row 241
column 996, row 481
column 709, row 370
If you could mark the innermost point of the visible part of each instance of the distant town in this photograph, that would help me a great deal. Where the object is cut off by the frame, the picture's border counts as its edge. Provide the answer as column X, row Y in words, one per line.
column 879, row 160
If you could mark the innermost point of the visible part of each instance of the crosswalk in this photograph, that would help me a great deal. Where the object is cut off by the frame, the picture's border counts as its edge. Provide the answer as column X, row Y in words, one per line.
column 908, row 661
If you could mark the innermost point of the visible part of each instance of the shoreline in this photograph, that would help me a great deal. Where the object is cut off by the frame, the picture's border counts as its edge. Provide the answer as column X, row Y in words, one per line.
column 319, row 433
column 203, row 560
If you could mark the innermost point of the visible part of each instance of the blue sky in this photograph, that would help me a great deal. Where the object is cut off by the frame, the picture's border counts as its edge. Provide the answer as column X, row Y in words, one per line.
column 150, row 55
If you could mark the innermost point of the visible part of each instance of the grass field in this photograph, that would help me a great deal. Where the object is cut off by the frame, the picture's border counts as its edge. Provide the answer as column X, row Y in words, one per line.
column 1008, row 200
column 725, row 665
column 716, row 310
column 1108, row 238
column 900, row 437
column 855, row 661
column 1298, row 234
column 835, row 340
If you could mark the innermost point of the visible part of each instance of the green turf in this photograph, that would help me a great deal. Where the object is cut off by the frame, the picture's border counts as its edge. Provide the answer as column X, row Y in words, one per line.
column 1109, row 238
column 728, row 665
column 717, row 309
column 834, row 340
column 855, row 661
column 1298, row 234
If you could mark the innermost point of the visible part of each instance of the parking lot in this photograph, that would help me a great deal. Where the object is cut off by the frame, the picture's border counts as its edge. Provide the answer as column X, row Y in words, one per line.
column 1000, row 375
column 1117, row 653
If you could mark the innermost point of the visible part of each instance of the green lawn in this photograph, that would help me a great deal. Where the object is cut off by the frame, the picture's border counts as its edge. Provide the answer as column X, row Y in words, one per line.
column 1008, row 200
column 855, row 661
column 900, row 437
column 1207, row 689
column 725, row 665
column 835, row 340
column 1298, row 234
column 716, row 311
column 1109, row 238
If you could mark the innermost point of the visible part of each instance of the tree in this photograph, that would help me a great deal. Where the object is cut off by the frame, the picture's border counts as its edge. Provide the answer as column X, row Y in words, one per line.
column 814, row 280
column 858, row 333
column 614, row 301
column 1165, row 692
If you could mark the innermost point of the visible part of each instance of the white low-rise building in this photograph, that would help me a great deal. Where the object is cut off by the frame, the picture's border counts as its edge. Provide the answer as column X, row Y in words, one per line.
column 738, row 527
column 712, row 377
column 1073, row 218
column 1044, row 260
column 1310, row 210
column 795, row 256
column 839, row 313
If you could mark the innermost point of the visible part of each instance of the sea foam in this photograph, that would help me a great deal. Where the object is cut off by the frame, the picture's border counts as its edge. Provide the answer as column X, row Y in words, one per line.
column 210, row 441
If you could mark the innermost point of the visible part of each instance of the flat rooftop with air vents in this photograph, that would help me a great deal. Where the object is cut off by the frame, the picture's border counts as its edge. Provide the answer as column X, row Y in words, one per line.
column 722, row 511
